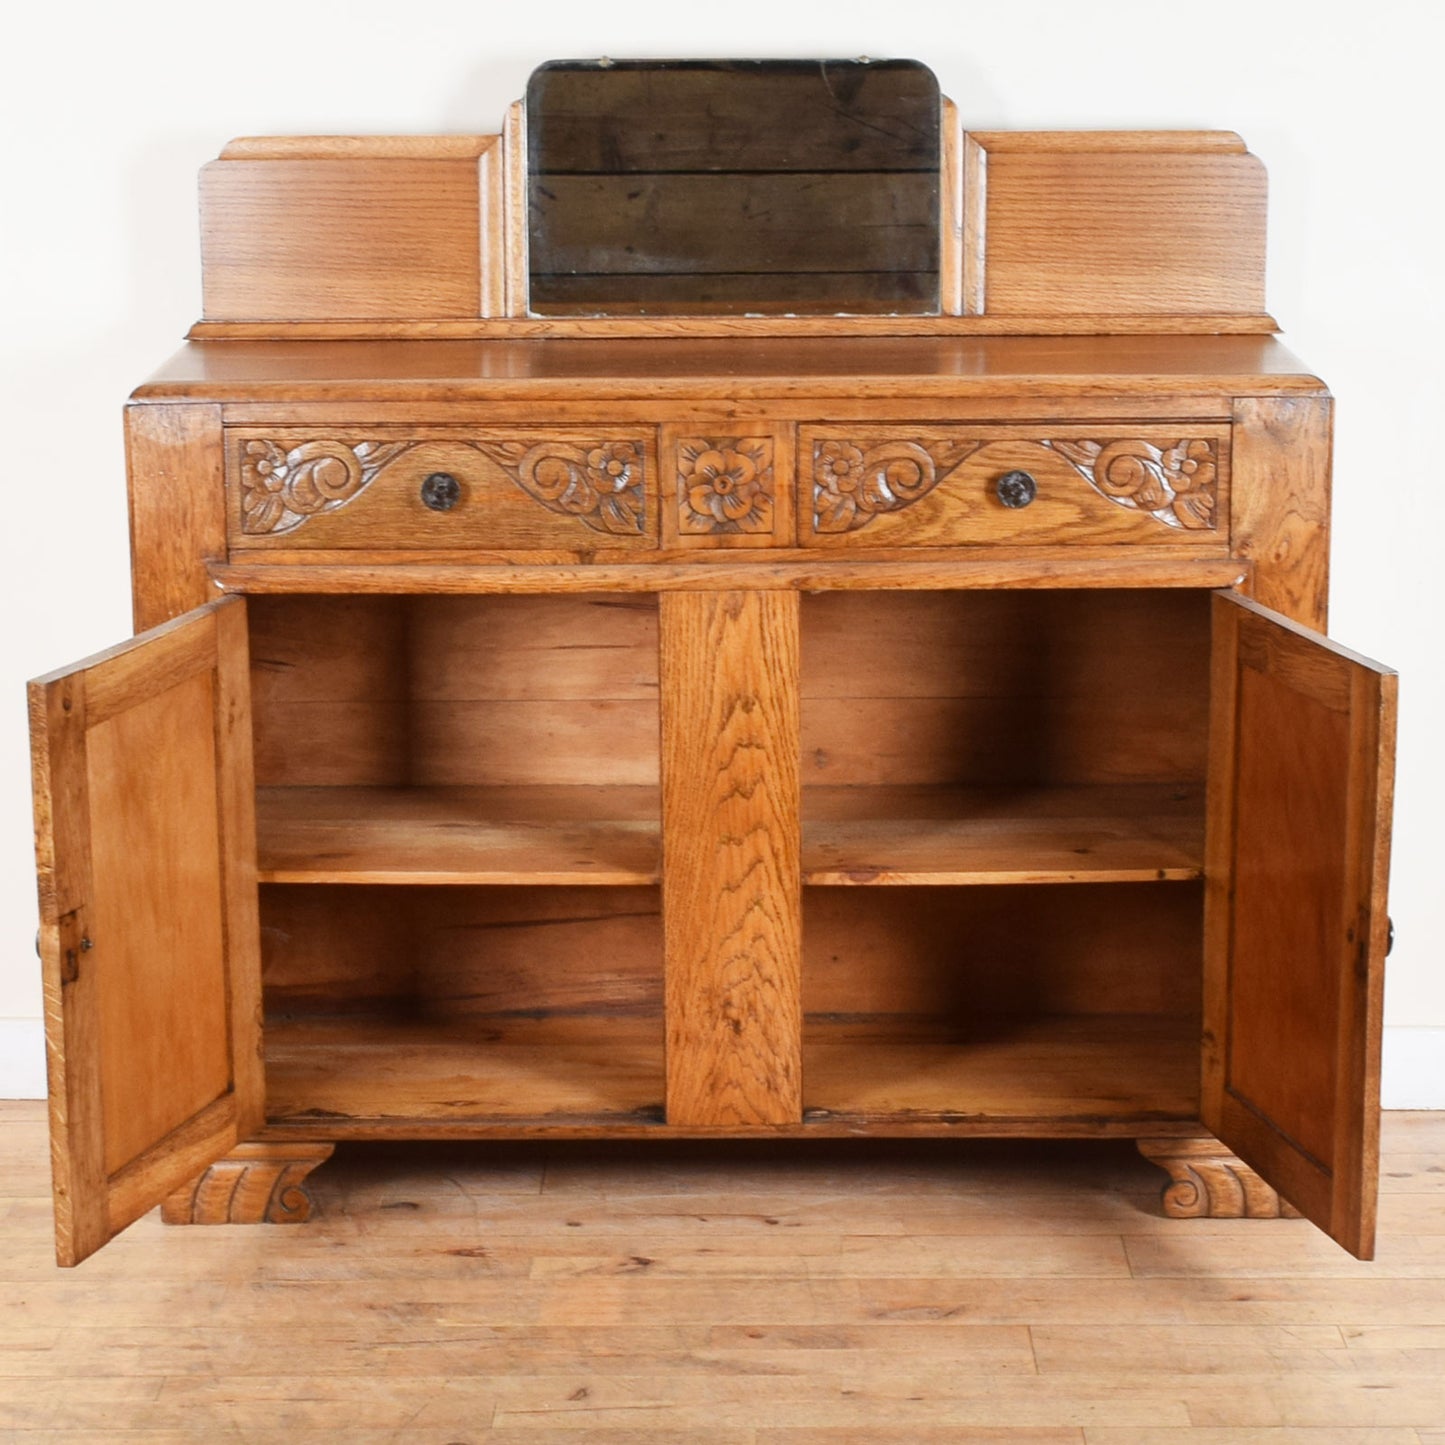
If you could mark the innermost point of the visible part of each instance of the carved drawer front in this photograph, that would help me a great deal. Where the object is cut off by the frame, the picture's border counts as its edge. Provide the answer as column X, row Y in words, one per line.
column 513, row 489
column 944, row 486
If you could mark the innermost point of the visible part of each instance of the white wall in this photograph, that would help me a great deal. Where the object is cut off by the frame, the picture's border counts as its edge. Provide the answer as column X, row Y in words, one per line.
column 110, row 110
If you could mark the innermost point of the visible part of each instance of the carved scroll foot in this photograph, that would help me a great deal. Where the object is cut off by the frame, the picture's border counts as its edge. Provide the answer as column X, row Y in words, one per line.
column 1206, row 1181
column 254, row 1184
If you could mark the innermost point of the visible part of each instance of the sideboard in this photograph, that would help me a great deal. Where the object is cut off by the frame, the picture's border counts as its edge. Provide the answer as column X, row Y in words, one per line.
column 745, row 719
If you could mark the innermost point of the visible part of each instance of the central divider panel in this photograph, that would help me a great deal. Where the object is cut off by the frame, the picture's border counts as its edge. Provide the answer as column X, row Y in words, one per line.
column 731, row 876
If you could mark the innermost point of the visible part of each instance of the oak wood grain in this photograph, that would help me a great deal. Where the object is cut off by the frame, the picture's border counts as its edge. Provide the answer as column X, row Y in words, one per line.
column 970, row 570
column 1281, row 511
column 1015, row 373
column 1303, row 754
column 463, row 954
column 539, row 835
column 1122, row 228
column 930, row 485
column 146, row 847
column 731, row 891
column 1108, row 1070
column 341, row 238
column 852, row 836
column 177, row 507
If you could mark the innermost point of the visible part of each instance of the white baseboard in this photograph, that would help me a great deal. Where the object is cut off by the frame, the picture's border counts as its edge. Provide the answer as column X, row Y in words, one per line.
column 1413, row 1072
column 22, row 1059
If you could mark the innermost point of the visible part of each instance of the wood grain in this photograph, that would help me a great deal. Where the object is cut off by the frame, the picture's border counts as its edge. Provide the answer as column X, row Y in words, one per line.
column 1000, row 688
column 1014, row 375
column 731, row 892
column 952, row 956
column 1023, row 1293
column 1281, row 510
column 146, row 848
column 546, row 835
column 968, row 570
column 253, row 1184
column 527, row 489
column 479, row 955
column 937, row 486
column 852, row 836
column 457, row 691
column 329, row 1078
column 1106, row 1072
column 1129, row 230
column 717, row 325
column 866, row 836
column 177, row 507
column 348, row 238
column 1207, row 1182
column 1303, row 754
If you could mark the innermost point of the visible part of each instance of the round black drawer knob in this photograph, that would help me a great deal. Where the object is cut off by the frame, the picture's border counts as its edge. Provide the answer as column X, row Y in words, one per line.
column 1016, row 489
column 441, row 492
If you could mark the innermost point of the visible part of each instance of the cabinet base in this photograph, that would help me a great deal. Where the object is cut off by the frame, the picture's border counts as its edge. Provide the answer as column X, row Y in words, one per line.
column 1206, row 1181
column 254, row 1184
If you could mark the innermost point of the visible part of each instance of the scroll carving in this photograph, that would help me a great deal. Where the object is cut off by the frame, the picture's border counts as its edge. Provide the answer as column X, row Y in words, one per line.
column 725, row 485
column 254, row 1184
column 280, row 489
column 601, row 486
column 853, row 484
column 1175, row 485
column 1206, row 1181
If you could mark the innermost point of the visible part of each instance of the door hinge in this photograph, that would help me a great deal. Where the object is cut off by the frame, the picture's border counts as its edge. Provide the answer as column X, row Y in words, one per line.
column 71, row 947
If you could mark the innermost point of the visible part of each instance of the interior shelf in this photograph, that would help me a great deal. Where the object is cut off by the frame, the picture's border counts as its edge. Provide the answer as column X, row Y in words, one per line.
column 852, row 835
column 1095, row 1073
column 1101, row 1069
column 946, row 835
column 536, row 835
column 515, row 1071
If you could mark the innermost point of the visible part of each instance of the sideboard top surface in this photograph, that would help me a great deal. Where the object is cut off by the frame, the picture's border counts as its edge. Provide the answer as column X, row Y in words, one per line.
column 738, row 368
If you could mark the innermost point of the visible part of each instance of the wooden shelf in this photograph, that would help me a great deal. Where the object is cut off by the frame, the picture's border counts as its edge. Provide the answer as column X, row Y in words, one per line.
column 364, row 1075
column 532, row 835
column 1106, row 1072
column 610, row 835
column 373, row 1077
column 927, row 835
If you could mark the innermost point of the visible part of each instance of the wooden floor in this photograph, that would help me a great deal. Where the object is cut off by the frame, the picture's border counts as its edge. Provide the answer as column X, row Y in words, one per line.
column 731, row 1295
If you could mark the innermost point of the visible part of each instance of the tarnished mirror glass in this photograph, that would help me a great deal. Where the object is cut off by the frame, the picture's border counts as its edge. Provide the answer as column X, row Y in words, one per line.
column 727, row 186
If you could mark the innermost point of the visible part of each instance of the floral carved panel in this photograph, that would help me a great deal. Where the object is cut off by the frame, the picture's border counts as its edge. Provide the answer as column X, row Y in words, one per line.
column 725, row 486
column 852, row 485
column 1175, row 485
column 282, row 486
column 602, row 485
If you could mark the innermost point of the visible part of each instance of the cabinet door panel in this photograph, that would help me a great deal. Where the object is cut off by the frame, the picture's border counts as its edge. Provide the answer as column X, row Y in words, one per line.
column 1301, row 767
column 145, row 841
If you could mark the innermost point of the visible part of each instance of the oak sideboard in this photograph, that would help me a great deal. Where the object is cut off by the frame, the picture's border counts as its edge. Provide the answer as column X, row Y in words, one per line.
column 584, row 687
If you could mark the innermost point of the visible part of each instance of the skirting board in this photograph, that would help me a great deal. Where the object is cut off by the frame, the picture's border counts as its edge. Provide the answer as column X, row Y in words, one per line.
column 22, row 1059
column 1413, row 1071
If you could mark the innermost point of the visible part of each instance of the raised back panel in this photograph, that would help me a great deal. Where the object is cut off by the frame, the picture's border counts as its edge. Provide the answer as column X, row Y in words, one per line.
column 706, row 186
column 996, row 688
column 455, row 691
column 1114, row 224
column 365, row 231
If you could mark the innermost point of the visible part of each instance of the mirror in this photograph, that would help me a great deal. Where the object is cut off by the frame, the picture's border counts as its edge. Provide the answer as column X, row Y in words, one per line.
column 733, row 187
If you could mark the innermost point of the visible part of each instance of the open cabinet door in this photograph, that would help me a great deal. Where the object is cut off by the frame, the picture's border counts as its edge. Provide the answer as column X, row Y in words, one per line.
column 1302, row 746
column 145, row 840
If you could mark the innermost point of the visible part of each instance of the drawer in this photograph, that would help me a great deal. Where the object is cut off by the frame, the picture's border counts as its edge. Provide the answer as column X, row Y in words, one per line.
column 497, row 489
column 947, row 486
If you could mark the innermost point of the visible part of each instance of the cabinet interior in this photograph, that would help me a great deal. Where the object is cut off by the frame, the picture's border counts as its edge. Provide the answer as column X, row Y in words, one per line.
column 1002, row 844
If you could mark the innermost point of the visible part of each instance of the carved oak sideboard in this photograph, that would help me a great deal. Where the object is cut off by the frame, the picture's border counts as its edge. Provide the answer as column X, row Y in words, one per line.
column 740, row 721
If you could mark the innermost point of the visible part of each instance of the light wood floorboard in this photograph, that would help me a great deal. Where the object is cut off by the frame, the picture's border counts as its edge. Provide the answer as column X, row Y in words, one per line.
column 893, row 1293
